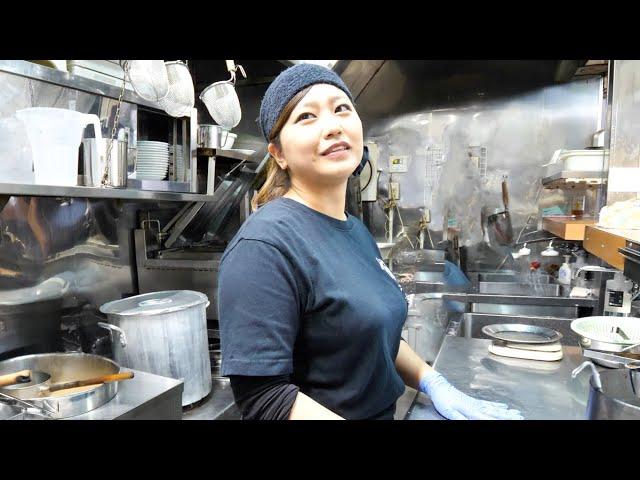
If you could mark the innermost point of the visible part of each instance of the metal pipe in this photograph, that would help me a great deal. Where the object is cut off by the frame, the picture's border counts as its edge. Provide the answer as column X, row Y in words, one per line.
column 390, row 233
column 594, row 268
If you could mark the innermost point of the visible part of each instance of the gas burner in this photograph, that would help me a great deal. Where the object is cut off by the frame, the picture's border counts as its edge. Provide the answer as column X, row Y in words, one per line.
column 215, row 354
column 215, row 357
column 194, row 405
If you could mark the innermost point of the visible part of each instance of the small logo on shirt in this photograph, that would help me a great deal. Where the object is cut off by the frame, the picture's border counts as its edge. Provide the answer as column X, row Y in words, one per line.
column 384, row 267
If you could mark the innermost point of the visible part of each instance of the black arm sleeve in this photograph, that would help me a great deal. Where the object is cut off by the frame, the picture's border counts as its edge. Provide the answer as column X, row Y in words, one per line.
column 264, row 398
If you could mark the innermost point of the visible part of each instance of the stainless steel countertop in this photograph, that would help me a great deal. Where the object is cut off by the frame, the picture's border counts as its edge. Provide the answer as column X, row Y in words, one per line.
column 540, row 390
column 218, row 405
column 133, row 394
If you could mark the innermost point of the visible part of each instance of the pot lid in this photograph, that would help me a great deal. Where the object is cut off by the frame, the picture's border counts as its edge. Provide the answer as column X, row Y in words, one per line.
column 155, row 303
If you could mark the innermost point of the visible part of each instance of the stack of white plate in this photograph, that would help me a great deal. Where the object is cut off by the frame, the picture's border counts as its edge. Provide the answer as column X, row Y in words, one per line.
column 153, row 160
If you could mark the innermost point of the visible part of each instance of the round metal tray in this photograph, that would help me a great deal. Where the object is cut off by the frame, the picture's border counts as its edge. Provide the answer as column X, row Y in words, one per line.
column 63, row 367
column 520, row 333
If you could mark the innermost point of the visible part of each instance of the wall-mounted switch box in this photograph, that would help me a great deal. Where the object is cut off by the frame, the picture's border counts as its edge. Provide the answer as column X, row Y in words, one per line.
column 398, row 163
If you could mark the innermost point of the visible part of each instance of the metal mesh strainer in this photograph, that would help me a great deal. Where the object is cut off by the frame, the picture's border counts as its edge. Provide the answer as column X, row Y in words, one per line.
column 222, row 100
column 148, row 78
column 223, row 104
column 608, row 329
column 181, row 97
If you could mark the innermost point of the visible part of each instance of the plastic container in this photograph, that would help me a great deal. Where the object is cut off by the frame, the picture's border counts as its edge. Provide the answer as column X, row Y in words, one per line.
column 565, row 272
column 577, row 161
column 617, row 300
column 55, row 135
column 15, row 154
column 577, row 205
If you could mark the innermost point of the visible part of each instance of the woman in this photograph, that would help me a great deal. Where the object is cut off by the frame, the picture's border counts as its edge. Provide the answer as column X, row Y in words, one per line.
column 310, row 316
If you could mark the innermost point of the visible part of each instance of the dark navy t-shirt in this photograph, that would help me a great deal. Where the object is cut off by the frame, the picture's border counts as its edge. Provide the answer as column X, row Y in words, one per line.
column 303, row 293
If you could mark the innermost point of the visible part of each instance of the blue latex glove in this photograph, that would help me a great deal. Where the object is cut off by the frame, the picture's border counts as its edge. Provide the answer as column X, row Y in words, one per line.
column 455, row 405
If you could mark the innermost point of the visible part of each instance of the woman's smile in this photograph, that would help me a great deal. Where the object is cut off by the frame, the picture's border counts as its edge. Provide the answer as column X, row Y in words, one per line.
column 337, row 150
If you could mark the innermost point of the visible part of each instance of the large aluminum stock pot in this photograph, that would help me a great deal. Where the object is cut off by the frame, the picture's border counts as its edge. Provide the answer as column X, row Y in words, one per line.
column 164, row 333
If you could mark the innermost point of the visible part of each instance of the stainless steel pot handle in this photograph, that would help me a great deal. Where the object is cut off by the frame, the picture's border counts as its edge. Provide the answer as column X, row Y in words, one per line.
column 633, row 365
column 111, row 328
column 47, row 410
column 630, row 347
column 596, row 374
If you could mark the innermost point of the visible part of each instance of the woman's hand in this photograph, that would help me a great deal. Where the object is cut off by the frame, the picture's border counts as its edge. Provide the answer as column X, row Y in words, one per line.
column 455, row 405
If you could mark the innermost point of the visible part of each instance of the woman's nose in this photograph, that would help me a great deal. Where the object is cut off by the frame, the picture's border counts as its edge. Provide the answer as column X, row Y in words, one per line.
column 332, row 126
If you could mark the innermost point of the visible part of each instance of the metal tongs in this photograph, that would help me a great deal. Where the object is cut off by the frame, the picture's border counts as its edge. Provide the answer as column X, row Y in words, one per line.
column 11, row 400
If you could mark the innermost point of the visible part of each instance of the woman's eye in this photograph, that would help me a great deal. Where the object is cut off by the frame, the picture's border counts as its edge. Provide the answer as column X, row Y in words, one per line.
column 304, row 116
column 343, row 107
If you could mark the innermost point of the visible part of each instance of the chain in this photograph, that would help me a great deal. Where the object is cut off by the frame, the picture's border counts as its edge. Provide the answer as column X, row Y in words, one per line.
column 32, row 94
column 105, row 177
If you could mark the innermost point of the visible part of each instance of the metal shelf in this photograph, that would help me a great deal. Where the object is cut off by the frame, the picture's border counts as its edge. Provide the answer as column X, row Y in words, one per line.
column 235, row 154
column 92, row 192
column 575, row 179
column 64, row 79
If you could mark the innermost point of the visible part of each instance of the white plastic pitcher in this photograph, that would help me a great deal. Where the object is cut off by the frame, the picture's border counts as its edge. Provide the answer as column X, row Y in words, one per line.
column 55, row 135
column 15, row 154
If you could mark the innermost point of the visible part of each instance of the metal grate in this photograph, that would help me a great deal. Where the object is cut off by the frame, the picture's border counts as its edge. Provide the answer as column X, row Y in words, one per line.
column 434, row 163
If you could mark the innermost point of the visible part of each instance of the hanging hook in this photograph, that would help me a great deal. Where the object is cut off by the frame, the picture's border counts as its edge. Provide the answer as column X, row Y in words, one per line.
column 232, row 68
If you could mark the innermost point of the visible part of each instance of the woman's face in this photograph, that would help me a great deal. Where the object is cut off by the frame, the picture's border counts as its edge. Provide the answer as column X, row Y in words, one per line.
column 322, row 139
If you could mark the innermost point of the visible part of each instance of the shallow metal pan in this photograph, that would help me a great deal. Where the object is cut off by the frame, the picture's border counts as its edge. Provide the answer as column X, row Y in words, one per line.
column 521, row 333
column 64, row 367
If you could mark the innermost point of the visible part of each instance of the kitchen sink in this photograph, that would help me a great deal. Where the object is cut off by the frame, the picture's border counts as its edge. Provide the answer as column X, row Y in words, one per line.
column 505, row 293
column 472, row 323
column 514, row 293
column 512, row 288
column 508, row 277
column 428, row 277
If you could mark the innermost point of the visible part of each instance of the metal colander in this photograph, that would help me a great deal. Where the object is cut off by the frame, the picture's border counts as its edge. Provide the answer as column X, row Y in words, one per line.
column 148, row 78
column 181, row 97
column 223, row 104
column 617, row 330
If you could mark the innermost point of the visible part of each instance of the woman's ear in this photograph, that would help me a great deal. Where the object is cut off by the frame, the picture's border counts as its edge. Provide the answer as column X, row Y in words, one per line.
column 275, row 152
